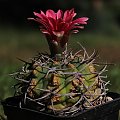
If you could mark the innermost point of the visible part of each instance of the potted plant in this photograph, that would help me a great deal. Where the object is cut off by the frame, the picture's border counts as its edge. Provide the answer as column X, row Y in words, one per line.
column 65, row 84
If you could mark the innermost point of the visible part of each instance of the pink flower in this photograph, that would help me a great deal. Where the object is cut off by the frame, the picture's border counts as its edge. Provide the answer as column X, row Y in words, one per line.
column 58, row 26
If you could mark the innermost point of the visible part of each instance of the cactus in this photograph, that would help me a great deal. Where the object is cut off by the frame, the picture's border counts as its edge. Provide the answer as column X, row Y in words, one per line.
column 64, row 82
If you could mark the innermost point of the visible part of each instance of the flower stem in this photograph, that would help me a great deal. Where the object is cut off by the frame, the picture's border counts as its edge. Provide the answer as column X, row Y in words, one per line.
column 55, row 47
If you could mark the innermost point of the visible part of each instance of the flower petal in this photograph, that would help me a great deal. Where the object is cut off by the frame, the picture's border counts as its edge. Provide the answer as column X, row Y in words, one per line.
column 37, row 14
column 59, row 14
column 51, row 14
column 72, row 12
column 69, row 15
column 52, row 22
column 41, row 16
column 61, row 26
column 80, row 20
column 44, row 25
column 66, row 14
column 75, row 27
column 42, row 12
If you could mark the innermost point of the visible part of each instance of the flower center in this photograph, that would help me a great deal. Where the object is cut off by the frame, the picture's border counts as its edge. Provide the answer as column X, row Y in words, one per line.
column 58, row 34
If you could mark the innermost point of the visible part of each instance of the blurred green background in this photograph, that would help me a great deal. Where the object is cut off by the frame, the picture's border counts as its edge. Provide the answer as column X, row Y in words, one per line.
column 20, row 38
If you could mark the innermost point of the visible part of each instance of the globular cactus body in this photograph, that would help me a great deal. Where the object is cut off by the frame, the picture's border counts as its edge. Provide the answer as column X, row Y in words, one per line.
column 70, row 83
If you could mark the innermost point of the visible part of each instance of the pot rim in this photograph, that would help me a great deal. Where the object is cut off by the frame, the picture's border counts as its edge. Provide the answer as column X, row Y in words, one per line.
column 116, row 98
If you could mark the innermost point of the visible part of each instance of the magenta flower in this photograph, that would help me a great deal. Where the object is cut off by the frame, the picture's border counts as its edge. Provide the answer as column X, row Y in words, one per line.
column 58, row 26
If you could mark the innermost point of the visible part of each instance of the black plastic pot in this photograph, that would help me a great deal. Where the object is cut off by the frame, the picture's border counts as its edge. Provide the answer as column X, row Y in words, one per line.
column 107, row 111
